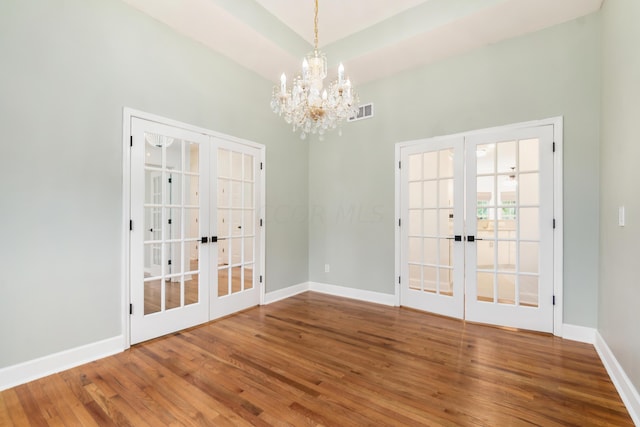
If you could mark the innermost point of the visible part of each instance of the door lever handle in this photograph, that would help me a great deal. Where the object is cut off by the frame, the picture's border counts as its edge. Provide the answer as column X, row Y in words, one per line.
column 472, row 239
column 457, row 238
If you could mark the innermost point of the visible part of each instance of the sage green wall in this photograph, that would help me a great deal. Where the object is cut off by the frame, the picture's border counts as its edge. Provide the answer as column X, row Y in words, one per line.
column 68, row 69
column 619, row 315
column 554, row 72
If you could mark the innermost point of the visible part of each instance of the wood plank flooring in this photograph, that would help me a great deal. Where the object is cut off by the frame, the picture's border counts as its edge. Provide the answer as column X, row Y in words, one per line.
column 317, row 360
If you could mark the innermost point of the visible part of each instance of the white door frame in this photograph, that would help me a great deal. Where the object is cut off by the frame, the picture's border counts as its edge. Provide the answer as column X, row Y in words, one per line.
column 558, row 243
column 127, row 115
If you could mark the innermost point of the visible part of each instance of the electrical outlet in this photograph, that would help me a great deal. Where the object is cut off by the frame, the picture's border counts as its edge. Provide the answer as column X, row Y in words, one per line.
column 327, row 268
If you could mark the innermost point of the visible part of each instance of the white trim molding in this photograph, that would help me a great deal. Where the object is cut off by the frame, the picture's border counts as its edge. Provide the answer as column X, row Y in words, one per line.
column 359, row 294
column 280, row 294
column 626, row 389
column 335, row 290
column 15, row 375
column 579, row 333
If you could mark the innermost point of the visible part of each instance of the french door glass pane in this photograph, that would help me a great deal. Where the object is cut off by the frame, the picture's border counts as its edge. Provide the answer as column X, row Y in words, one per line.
column 236, row 282
column 415, row 195
column 486, row 258
column 529, row 155
column 415, row 167
column 430, row 218
column 485, row 286
column 173, row 293
column 152, row 296
column 415, row 250
column 430, row 194
column 430, row 165
column 415, row 277
column 528, row 290
column 223, row 281
column 446, row 223
column 529, row 255
column 507, row 289
column 430, row 254
column 430, row 278
column 446, row 193
column 248, row 277
column 506, row 156
column 191, row 289
column 529, row 192
column 446, row 163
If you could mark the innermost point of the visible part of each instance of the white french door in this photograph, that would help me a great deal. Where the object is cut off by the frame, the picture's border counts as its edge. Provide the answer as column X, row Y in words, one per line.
column 236, row 215
column 169, row 197
column 478, row 241
column 432, row 198
column 509, row 262
column 195, row 240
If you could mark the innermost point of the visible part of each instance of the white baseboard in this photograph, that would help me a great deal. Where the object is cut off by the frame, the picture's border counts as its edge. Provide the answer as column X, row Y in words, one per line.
column 359, row 294
column 579, row 333
column 15, row 375
column 626, row 389
column 281, row 294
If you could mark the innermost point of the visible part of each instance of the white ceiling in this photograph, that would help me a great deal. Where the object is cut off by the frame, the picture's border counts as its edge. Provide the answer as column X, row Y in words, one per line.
column 373, row 38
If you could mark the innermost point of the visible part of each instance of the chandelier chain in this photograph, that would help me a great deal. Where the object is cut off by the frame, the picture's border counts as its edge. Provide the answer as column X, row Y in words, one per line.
column 315, row 27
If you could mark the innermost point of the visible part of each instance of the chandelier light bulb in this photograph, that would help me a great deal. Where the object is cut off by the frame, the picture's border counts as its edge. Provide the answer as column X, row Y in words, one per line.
column 283, row 84
column 340, row 74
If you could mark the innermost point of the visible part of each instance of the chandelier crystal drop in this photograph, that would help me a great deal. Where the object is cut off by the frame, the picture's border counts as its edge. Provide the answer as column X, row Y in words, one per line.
column 309, row 106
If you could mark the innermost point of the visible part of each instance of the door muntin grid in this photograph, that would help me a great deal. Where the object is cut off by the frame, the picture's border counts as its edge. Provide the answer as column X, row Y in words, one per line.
column 171, row 223
column 430, row 214
column 508, row 222
column 236, row 221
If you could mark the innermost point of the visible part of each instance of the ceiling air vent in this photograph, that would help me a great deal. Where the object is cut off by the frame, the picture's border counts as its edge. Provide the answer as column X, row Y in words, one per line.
column 364, row 112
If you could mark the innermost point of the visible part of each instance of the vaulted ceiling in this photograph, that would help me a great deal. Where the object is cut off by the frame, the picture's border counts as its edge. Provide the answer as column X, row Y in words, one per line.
column 373, row 38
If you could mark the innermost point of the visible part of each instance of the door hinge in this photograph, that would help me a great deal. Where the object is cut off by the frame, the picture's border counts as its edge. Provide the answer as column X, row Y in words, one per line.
column 169, row 262
column 554, row 223
column 170, row 180
column 261, row 165
column 554, row 147
column 169, row 221
column 260, row 278
column 399, row 165
column 399, row 222
column 554, row 300
column 260, row 222
column 130, row 308
column 130, row 225
column 399, row 280
column 131, row 141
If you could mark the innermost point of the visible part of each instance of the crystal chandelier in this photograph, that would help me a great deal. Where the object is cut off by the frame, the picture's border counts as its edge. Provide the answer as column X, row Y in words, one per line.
column 308, row 106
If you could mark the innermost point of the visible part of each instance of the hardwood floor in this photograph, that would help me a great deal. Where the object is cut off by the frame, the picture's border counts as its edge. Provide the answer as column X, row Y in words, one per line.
column 319, row 360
